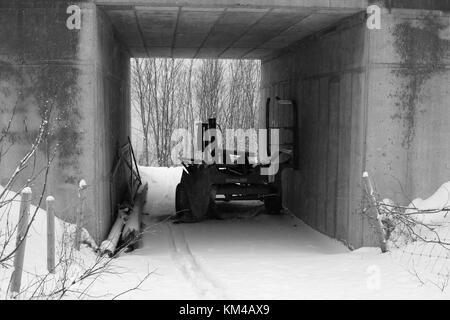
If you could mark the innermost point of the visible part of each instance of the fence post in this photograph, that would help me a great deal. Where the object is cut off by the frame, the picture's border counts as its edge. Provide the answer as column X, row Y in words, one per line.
column 50, row 234
column 379, row 224
column 16, row 277
column 82, row 199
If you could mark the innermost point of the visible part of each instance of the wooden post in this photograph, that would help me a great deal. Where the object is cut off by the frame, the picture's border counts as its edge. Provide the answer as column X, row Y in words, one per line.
column 379, row 223
column 80, row 216
column 50, row 234
column 16, row 277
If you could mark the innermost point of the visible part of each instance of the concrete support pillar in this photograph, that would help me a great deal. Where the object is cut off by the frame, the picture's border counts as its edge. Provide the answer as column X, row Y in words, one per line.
column 79, row 76
column 369, row 100
column 408, row 104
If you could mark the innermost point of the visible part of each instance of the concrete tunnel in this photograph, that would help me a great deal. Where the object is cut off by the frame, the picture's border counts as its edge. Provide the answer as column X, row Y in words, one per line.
column 366, row 98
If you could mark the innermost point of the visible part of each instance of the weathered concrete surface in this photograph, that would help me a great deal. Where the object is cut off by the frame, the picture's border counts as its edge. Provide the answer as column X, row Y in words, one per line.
column 82, row 77
column 365, row 102
column 326, row 76
column 416, row 4
column 229, row 28
column 220, row 29
column 112, row 120
column 242, row 3
column 42, row 67
column 369, row 100
column 408, row 101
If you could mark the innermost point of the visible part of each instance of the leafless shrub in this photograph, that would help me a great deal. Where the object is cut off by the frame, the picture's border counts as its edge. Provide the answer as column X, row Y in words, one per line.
column 8, row 225
column 74, row 275
column 420, row 238
column 169, row 94
column 75, row 272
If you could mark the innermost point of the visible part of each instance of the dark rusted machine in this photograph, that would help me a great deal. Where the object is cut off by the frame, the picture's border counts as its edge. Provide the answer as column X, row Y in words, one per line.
column 238, row 176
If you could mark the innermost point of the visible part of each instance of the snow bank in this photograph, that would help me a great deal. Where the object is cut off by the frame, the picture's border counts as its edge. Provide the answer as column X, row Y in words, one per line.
column 435, row 204
column 162, row 183
column 252, row 256
column 35, row 261
column 422, row 245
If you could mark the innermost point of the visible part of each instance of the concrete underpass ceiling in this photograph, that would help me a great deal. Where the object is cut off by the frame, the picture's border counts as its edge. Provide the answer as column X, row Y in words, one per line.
column 233, row 32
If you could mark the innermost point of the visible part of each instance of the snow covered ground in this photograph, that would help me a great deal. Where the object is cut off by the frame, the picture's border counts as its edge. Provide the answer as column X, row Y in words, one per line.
column 248, row 255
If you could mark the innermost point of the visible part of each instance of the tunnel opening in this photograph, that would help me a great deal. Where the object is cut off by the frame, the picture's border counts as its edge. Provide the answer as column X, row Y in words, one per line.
column 171, row 96
column 312, row 56
column 173, row 102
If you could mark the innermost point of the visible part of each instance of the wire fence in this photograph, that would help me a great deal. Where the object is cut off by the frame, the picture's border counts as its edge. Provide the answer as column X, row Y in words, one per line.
column 417, row 235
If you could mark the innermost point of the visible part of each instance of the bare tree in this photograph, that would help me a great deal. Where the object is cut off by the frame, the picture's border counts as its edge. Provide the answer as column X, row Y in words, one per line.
column 29, row 169
column 38, row 149
column 185, row 103
column 165, row 112
column 156, row 99
column 209, row 86
column 242, row 94
column 169, row 94
column 251, row 86
column 140, row 95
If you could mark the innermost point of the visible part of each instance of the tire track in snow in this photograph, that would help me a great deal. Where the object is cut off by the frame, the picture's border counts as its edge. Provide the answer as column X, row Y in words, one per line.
column 203, row 284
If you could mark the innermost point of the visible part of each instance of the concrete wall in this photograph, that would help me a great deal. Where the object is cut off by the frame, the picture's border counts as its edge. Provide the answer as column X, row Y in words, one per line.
column 415, row 4
column 82, row 76
column 325, row 74
column 408, row 104
column 112, row 120
column 368, row 100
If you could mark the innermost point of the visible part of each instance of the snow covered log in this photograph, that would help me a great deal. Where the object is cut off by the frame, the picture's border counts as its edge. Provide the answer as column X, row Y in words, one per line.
column 110, row 244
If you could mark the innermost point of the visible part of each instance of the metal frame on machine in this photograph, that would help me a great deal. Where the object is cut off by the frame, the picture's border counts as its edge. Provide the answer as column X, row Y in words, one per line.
column 201, row 183
column 295, row 134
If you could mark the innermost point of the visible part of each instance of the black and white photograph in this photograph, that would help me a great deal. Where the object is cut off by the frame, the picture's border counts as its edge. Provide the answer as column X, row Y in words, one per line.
column 224, row 154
